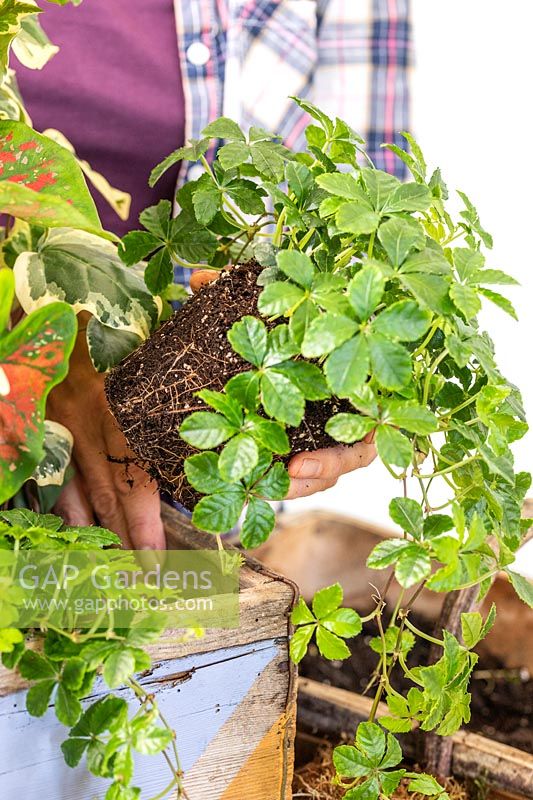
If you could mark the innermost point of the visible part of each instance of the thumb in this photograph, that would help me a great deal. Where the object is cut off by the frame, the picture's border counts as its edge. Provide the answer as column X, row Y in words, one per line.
column 200, row 277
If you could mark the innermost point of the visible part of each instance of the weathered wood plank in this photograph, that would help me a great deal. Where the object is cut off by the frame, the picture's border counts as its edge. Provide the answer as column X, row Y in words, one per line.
column 335, row 712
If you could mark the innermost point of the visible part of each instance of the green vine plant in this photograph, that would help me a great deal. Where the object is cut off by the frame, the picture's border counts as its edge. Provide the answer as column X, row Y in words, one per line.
column 370, row 293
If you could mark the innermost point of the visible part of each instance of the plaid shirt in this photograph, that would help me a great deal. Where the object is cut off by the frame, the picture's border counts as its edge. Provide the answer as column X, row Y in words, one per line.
column 350, row 57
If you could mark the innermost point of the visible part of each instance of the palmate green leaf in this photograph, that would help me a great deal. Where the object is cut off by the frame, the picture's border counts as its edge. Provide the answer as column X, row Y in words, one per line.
column 269, row 159
column 203, row 474
column 223, row 403
column 281, row 399
column 258, row 523
column 233, row 154
column 331, row 646
column 325, row 333
column 327, row 600
column 300, row 642
column 500, row 301
column 379, row 185
column 152, row 740
column 411, row 416
column 300, row 180
column 301, row 613
column 268, row 434
column 407, row 513
column 371, row 741
column 467, row 263
column 390, row 362
column 404, row 320
column 33, row 359
column 430, row 291
column 244, row 388
column 425, row 784
column 349, row 428
column 280, row 346
column 247, row 195
column 356, row 218
column 39, row 697
column 522, row 586
column 345, row 186
column 274, row 485
column 350, row 762
column 399, row 236
column 238, row 458
column 42, row 183
column 408, row 197
column 207, row 201
column 224, row 128
column 204, row 429
column 73, row 749
column 191, row 152
column 347, row 367
column 386, row 553
column 414, row 564
column 344, row 622
column 427, row 261
column 307, row 377
column 496, row 276
column 67, row 706
column 279, row 298
column 365, row 291
column 393, row 447
column 466, row 299
column 219, row 512
column 248, row 337
column 296, row 266
column 118, row 667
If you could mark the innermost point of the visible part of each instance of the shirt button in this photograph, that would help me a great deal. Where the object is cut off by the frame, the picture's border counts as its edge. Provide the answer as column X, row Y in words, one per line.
column 198, row 53
column 195, row 172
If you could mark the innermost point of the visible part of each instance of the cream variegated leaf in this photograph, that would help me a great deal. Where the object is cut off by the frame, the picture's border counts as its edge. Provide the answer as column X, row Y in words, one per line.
column 58, row 442
column 11, row 103
column 85, row 271
column 119, row 201
column 31, row 45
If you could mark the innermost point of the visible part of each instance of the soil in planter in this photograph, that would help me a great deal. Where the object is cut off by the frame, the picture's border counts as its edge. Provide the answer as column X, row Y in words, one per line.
column 153, row 389
column 313, row 781
column 502, row 699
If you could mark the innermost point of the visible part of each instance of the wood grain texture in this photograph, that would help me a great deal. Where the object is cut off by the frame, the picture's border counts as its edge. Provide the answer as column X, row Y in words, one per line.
column 328, row 710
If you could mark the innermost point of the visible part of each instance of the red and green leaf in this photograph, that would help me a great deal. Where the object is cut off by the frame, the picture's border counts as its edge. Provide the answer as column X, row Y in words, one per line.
column 33, row 358
column 41, row 182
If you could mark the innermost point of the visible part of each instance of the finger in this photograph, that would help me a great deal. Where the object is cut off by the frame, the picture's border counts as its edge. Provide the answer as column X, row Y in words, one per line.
column 137, row 493
column 331, row 462
column 200, row 277
column 303, row 487
column 73, row 505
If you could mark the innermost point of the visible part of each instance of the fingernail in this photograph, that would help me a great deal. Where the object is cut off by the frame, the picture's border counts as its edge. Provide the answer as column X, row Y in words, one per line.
column 310, row 468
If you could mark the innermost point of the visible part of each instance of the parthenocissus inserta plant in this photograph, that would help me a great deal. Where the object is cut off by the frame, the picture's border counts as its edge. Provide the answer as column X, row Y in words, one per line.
column 367, row 304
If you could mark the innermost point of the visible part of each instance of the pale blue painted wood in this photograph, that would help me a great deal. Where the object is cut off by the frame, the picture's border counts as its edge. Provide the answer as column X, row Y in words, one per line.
column 32, row 764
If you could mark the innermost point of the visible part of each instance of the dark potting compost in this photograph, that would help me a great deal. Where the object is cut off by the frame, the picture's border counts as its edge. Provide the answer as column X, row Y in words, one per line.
column 502, row 699
column 152, row 391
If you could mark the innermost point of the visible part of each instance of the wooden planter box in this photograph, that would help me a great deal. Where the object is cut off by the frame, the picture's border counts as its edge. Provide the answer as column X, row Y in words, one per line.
column 230, row 697
column 335, row 713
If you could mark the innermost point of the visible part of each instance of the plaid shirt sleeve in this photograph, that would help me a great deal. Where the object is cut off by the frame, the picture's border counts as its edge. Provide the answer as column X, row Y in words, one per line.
column 350, row 57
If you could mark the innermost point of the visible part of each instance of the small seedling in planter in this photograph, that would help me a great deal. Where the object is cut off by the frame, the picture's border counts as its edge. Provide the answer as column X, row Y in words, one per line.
column 351, row 306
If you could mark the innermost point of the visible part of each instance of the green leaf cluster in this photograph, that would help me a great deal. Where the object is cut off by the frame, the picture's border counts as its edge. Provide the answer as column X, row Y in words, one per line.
column 330, row 623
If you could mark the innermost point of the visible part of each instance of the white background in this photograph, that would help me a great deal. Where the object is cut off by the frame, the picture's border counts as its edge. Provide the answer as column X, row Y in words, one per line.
column 471, row 95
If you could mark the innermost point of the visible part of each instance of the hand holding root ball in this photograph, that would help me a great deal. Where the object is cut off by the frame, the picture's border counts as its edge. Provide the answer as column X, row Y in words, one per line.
column 312, row 471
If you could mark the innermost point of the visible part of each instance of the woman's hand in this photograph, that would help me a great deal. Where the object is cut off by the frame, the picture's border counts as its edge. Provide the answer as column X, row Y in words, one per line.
column 108, row 487
column 317, row 470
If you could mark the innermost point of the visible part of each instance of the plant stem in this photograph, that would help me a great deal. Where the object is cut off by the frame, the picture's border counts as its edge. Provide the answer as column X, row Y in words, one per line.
column 423, row 635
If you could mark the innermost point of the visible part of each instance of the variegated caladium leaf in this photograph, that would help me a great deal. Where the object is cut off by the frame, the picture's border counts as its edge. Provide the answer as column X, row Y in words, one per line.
column 86, row 272
column 41, row 182
column 33, row 358
column 57, row 445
